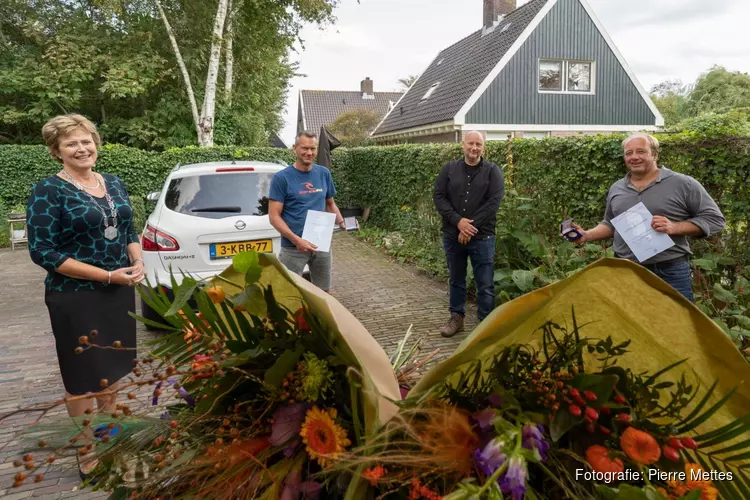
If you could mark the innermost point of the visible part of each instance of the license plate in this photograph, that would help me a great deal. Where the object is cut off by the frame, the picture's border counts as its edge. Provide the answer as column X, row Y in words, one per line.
column 223, row 250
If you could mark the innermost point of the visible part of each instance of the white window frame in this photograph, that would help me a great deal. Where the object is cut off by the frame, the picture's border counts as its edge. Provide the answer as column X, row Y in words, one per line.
column 430, row 91
column 564, row 77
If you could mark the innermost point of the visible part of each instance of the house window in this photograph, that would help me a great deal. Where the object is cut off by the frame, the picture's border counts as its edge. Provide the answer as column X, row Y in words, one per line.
column 550, row 75
column 579, row 76
column 566, row 76
column 430, row 91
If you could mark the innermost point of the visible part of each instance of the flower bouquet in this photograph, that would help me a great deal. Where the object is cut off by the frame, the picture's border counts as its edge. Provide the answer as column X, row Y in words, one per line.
column 264, row 382
column 593, row 400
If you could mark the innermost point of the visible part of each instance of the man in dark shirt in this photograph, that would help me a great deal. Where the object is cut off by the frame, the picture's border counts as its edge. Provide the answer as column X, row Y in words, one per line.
column 467, row 195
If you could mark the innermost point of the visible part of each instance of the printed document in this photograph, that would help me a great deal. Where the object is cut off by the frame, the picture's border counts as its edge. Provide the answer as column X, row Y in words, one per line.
column 634, row 226
column 318, row 229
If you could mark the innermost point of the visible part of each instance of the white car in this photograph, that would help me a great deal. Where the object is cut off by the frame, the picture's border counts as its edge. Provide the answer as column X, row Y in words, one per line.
column 205, row 214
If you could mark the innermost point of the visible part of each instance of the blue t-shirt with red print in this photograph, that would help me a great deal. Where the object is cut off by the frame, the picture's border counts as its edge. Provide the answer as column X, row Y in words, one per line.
column 299, row 192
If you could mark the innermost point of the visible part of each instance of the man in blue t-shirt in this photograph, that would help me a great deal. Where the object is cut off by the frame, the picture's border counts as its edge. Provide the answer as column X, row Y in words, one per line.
column 295, row 190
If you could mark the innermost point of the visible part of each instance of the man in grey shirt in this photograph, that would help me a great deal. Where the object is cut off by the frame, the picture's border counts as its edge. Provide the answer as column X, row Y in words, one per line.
column 681, row 207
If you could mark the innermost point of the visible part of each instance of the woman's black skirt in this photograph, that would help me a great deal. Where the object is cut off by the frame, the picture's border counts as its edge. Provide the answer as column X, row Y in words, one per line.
column 74, row 314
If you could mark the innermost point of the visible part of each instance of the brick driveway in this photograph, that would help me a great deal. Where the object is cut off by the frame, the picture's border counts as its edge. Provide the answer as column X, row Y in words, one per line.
column 383, row 295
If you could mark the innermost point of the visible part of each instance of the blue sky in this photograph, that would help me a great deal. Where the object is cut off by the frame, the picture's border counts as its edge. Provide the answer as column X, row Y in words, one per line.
column 390, row 39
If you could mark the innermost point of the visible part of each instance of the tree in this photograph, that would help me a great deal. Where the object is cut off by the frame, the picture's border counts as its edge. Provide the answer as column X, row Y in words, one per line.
column 671, row 98
column 720, row 90
column 408, row 81
column 353, row 127
column 116, row 62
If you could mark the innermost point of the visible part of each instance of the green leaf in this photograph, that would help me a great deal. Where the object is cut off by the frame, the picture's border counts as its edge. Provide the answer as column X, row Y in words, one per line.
column 252, row 300
column 707, row 414
column 247, row 264
column 562, row 423
column 284, row 364
column 723, row 294
column 182, row 295
column 705, row 264
column 601, row 385
column 524, row 279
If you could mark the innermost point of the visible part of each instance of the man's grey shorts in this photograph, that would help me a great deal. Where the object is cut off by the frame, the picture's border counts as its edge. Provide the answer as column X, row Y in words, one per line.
column 318, row 262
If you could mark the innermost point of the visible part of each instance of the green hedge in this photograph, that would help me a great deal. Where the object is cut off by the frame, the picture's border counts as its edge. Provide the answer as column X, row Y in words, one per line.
column 557, row 174
column 142, row 171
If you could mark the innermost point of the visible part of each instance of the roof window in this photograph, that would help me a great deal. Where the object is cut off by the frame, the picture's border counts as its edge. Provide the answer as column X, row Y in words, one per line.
column 430, row 91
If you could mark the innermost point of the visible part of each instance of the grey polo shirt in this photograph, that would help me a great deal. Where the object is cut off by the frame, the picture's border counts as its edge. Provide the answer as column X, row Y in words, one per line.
column 678, row 197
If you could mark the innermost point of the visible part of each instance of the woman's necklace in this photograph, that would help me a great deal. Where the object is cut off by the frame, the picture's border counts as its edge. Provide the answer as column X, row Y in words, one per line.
column 110, row 231
column 81, row 186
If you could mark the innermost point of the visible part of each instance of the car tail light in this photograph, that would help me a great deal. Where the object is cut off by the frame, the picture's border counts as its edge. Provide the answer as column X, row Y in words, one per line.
column 154, row 240
column 235, row 169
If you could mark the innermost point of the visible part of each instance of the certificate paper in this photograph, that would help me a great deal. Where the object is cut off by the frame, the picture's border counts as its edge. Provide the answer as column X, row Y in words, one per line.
column 318, row 229
column 634, row 226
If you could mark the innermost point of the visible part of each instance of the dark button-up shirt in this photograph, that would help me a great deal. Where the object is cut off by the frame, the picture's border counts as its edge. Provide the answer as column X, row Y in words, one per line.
column 474, row 193
column 678, row 197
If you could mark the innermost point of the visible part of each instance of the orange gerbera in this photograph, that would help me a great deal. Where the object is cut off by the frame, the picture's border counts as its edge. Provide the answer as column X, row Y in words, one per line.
column 598, row 457
column 324, row 438
column 373, row 474
column 693, row 470
column 640, row 446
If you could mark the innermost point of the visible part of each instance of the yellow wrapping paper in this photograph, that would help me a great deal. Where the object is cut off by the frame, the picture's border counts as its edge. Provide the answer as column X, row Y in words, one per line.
column 619, row 298
column 357, row 347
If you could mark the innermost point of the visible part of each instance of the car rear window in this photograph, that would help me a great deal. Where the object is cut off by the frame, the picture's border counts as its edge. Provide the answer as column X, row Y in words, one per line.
column 215, row 196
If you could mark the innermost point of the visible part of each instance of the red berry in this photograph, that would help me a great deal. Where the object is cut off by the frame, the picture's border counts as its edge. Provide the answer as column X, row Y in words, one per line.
column 620, row 399
column 574, row 410
column 670, row 453
column 689, row 442
column 674, row 443
column 604, row 430
column 592, row 414
column 589, row 395
column 604, row 410
column 590, row 428
column 623, row 417
column 574, row 393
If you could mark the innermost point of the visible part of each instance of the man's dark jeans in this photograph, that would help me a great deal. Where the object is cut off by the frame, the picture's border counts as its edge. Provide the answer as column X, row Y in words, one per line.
column 482, row 254
column 676, row 274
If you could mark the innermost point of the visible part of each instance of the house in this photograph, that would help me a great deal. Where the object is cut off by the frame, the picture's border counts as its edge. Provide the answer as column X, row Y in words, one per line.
column 321, row 107
column 275, row 141
column 545, row 68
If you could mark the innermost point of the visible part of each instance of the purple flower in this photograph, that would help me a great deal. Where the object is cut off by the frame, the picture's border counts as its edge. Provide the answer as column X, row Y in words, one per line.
column 484, row 419
column 490, row 458
column 293, row 486
column 495, row 400
column 287, row 422
column 181, row 391
column 533, row 439
column 513, row 480
column 291, row 448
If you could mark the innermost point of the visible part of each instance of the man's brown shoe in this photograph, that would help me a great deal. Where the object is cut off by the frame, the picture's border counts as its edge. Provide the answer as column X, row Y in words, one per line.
column 455, row 325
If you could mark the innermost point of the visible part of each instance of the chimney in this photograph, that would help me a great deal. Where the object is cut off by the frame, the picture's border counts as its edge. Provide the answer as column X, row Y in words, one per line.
column 496, row 8
column 366, row 86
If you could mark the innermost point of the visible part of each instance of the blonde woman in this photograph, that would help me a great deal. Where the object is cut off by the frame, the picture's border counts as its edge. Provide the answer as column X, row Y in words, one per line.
column 80, row 230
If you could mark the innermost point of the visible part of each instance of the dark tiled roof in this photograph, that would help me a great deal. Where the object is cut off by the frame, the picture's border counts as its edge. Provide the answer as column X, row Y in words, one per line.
column 460, row 69
column 275, row 141
column 322, row 107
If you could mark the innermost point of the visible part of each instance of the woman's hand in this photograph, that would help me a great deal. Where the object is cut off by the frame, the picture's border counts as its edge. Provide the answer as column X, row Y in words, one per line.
column 124, row 276
column 140, row 272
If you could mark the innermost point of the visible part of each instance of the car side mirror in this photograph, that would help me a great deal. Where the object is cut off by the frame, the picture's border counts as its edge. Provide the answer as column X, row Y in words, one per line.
column 153, row 196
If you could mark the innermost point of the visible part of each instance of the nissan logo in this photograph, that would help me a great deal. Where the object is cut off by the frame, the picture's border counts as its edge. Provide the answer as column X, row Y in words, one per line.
column 240, row 225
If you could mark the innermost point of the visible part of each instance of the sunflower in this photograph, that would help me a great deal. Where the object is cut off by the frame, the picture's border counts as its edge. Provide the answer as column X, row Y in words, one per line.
column 324, row 438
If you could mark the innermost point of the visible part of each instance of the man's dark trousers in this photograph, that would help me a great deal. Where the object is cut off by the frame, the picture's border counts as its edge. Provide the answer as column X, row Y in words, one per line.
column 677, row 275
column 481, row 251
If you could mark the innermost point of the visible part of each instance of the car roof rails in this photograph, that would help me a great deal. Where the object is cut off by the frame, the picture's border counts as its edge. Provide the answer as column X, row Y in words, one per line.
column 177, row 167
